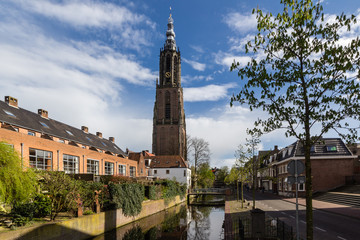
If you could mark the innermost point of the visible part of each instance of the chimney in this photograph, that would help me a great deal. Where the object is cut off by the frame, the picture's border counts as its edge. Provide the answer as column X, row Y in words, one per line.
column 43, row 113
column 99, row 134
column 112, row 139
column 85, row 129
column 11, row 101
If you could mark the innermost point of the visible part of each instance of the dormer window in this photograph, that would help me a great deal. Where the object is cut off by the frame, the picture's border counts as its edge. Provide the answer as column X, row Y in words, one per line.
column 10, row 113
column 313, row 149
column 70, row 133
column 331, row 148
column 31, row 133
column 44, row 124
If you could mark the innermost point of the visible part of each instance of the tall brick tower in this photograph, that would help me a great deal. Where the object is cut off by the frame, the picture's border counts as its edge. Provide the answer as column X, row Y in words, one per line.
column 169, row 128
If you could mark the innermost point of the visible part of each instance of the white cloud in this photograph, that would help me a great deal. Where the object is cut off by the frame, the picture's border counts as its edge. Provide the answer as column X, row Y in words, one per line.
column 84, row 13
column 195, row 65
column 227, row 59
column 207, row 93
column 198, row 49
column 226, row 128
column 241, row 23
column 125, row 27
column 78, row 82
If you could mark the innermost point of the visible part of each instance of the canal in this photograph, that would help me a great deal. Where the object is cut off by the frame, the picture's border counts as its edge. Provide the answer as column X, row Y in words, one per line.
column 179, row 222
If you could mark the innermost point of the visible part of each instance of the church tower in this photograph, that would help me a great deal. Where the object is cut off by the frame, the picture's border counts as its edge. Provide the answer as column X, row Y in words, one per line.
column 169, row 129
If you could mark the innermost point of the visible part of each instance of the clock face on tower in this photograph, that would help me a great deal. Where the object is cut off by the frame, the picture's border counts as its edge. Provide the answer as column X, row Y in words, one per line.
column 168, row 74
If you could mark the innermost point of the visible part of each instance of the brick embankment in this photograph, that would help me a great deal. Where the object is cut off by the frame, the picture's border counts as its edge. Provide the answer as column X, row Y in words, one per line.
column 233, row 211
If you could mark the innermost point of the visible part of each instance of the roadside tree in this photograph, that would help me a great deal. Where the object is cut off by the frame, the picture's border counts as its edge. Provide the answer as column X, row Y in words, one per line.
column 305, row 76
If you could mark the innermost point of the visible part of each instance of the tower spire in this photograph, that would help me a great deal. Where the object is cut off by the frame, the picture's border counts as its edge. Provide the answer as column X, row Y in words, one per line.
column 170, row 42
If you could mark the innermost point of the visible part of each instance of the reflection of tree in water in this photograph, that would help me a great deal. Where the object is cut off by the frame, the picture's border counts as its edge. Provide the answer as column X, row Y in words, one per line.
column 171, row 222
column 134, row 233
column 201, row 223
column 151, row 234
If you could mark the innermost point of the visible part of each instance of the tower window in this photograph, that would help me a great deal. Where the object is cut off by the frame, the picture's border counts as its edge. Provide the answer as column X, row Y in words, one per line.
column 167, row 111
column 168, row 63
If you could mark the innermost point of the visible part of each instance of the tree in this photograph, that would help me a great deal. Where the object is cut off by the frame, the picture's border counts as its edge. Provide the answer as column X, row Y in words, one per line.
column 304, row 77
column 200, row 152
column 16, row 185
column 205, row 177
column 247, row 163
column 62, row 190
column 222, row 173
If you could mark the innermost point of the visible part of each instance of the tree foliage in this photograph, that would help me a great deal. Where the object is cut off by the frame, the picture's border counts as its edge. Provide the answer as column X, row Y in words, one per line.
column 205, row 177
column 62, row 190
column 304, row 75
column 16, row 185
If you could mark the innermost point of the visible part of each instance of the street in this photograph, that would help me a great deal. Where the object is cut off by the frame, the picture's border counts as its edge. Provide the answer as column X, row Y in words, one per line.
column 326, row 225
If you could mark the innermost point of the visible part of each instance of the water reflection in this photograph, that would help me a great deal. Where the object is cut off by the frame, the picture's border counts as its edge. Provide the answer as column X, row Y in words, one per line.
column 180, row 222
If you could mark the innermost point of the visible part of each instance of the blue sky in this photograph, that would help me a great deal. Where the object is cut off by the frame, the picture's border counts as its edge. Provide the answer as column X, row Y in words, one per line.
column 95, row 63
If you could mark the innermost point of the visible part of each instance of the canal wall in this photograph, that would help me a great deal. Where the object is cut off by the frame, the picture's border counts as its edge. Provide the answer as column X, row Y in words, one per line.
column 88, row 226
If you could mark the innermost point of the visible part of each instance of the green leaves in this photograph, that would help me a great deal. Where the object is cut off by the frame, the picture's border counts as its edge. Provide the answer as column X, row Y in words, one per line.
column 16, row 185
column 304, row 71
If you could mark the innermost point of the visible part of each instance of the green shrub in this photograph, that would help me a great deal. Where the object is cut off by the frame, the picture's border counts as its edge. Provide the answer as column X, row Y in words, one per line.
column 24, row 210
column 42, row 205
column 88, row 212
column 87, row 193
column 127, row 196
column 171, row 188
column 154, row 192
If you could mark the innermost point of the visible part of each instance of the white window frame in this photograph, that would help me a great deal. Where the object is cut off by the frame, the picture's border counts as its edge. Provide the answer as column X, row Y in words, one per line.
column 92, row 166
column 70, row 164
column 40, row 155
column 109, row 168
column 132, row 171
column 122, row 169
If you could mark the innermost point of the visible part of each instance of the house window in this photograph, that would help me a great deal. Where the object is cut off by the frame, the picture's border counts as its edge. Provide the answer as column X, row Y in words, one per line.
column 40, row 159
column 93, row 166
column 61, row 141
column 141, row 170
column 312, row 149
column 155, row 171
column 31, row 133
column 122, row 170
column 167, row 171
column 109, row 168
column 301, row 186
column 184, row 173
column 132, row 171
column 71, row 164
column 331, row 148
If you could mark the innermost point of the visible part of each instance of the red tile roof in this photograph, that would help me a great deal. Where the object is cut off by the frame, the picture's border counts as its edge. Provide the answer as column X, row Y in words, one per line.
column 168, row 161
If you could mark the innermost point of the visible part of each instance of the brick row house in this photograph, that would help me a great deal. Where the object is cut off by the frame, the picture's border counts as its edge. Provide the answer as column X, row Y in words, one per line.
column 331, row 163
column 47, row 144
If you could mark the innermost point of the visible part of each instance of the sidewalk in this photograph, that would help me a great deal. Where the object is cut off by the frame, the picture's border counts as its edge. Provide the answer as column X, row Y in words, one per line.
column 329, row 207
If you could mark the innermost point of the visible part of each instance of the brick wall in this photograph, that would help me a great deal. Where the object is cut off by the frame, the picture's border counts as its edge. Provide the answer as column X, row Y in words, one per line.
column 330, row 173
column 21, row 138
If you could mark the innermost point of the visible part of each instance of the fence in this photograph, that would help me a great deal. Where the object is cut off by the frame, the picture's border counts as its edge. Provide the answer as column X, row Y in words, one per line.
column 274, row 229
